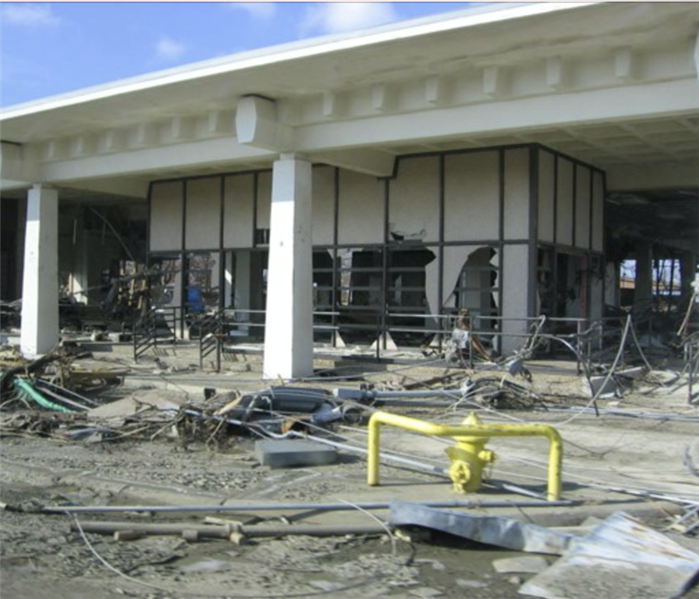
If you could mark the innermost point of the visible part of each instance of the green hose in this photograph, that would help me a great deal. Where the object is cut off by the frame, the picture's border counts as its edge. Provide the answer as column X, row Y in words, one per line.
column 26, row 391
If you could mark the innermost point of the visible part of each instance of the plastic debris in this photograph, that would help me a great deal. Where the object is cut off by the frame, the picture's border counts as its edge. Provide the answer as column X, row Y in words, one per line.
column 620, row 558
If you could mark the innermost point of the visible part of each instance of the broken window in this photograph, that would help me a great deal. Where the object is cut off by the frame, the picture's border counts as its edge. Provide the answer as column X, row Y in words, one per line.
column 407, row 303
column 202, row 283
column 360, row 293
column 166, row 281
column 323, row 294
column 471, row 281
column 244, row 289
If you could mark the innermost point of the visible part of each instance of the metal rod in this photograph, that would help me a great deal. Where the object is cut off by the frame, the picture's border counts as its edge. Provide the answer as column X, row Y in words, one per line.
column 325, row 507
column 224, row 532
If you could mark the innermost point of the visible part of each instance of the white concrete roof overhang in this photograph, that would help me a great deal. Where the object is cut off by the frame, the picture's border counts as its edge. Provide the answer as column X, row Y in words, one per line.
column 612, row 84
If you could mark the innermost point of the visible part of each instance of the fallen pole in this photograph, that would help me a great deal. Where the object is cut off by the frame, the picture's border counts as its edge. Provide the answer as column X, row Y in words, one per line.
column 326, row 507
column 194, row 532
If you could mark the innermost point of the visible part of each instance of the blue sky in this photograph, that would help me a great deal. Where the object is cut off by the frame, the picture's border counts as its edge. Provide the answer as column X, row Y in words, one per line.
column 56, row 47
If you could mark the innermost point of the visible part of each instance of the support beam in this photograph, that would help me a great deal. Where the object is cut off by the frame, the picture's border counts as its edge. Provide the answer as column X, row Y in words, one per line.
column 625, row 65
column 369, row 162
column 113, row 140
column 132, row 187
column 555, row 72
column 219, row 122
column 289, row 322
column 180, row 128
column 256, row 124
column 82, row 145
column 54, row 149
column 435, row 91
column 144, row 135
column 492, row 81
column 664, row 175
column 333, row 105
column 383, row 97
column 40, row 284
column 222, row 150
column 16, row 170
column 507, row 116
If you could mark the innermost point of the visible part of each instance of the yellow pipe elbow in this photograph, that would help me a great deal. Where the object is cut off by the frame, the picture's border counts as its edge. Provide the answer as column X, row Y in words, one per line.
column 555, row 460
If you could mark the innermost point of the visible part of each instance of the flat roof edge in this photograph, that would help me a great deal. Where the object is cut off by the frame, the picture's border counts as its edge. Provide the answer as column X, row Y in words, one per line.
column 445, row 22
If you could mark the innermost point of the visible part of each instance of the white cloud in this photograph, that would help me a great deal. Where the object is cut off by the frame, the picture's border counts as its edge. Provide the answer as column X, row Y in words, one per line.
column 29, row 14
column 336, row 17
column 168, row 49
column 257, row 10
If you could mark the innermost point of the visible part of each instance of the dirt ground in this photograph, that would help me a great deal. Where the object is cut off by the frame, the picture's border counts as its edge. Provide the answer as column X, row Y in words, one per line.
column 612, row 462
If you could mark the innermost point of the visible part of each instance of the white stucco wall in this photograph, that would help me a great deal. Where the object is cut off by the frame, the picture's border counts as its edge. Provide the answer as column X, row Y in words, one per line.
column 166, row 217
column 517, row 206
column 413, row 208
column 361, row 209
column 203, row 213
column 471, row 196
column 515, row 264
column 237, row 211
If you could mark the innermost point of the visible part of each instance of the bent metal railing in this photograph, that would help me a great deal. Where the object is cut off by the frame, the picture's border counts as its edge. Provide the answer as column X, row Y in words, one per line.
column 210, row 339
column 156, row 328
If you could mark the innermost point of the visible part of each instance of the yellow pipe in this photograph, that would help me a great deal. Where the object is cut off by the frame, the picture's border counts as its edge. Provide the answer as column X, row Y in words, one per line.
column 486, row 430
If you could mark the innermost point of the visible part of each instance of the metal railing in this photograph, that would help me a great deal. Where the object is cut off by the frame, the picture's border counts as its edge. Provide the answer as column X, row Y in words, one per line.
column 210, row 332
column 157, row 327
column 220, row 330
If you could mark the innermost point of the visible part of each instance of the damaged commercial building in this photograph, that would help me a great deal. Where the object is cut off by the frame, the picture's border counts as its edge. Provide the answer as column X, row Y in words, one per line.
column 366, row 187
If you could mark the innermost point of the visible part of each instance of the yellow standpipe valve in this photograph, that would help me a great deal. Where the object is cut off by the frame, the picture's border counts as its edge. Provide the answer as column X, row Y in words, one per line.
column 468, row 456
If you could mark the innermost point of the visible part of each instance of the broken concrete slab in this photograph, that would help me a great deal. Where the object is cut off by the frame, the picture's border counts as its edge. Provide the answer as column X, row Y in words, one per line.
column 491, row 530
column 600, row 387
column 287, row 453
column 528, row 564
column 620, row 558
column 168, row 403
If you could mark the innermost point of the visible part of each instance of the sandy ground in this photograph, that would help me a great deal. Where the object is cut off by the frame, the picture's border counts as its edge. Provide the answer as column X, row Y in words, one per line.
column 40, row 556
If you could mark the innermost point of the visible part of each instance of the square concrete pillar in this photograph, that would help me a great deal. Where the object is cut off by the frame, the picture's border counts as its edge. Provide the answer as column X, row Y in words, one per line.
column 288, row 349
column 40, row 283
column 643, row 292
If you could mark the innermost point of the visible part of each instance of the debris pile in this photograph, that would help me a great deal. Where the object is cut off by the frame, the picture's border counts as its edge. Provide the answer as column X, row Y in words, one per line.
column 311, row 434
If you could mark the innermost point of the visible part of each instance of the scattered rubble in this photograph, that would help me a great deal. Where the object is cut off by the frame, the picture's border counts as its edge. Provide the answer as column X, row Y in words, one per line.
column 619, row 558
column 261, row 490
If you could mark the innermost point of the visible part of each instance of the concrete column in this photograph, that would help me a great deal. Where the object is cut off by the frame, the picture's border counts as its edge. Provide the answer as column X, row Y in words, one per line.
column 643, row 292
column 289, row 320
column 243, row 278
column 40, row 283
column 688, row 272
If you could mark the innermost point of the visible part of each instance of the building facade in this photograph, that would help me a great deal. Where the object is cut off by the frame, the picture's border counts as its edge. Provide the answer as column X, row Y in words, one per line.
column 503, row 159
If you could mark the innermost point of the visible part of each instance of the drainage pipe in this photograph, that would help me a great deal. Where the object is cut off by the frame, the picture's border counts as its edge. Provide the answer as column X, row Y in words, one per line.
column 456, row 431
